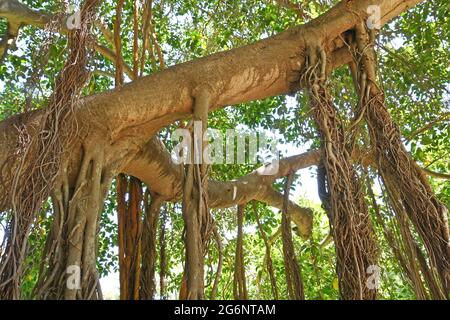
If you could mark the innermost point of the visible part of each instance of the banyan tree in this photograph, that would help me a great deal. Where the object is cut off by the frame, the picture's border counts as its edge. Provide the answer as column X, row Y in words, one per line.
column 93, row 95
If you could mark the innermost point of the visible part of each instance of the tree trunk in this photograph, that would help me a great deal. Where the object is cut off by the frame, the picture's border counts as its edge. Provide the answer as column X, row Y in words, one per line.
column 123, row 120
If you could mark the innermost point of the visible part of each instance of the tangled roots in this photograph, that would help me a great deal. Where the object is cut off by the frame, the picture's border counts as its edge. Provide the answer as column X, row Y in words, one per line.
column 292, row 269
column 40, row 152
column 352, row 230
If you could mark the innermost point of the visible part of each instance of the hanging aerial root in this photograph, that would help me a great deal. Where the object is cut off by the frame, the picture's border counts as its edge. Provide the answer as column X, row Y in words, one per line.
column 399, row 171
column 402, row 248
column 150, row 225
column 267, row 257
column 196, row 216
column 130, row 226
column 218, row 275
column 39, row 156
column 239, row 283
column 352, row 230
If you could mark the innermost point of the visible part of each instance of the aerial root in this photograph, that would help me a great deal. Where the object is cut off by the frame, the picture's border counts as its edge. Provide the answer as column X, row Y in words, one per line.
column 352, row 230
column 400, row 173
column 71, row 245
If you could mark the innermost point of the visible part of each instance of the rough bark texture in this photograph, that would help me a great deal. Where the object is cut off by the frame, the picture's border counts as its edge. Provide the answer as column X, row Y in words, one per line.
column 266, row 68
column 69, row 270
column 149, row 258
column 154, row 167
column 352, row 230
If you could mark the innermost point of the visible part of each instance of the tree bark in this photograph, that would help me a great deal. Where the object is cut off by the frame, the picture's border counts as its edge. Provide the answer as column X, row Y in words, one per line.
column 266, row 68
column 239, row 283
column 130, row 229
column 400, row 172
column 149, row 258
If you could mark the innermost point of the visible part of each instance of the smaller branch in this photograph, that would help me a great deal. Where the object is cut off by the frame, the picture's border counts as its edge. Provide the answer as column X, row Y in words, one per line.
column 109, row 36
column 428, row 126
column 110, row 55
column 103, row 73
column 20, row 14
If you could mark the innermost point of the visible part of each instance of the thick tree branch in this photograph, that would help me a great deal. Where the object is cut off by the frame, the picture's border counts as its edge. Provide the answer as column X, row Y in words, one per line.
column 18, row 13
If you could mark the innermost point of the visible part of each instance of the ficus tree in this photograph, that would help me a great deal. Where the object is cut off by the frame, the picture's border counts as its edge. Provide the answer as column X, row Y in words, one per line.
column 91, row 94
